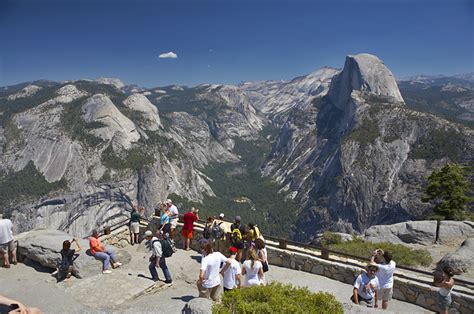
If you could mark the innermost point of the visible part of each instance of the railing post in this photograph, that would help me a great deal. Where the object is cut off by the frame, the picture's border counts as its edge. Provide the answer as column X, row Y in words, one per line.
column 282, row 244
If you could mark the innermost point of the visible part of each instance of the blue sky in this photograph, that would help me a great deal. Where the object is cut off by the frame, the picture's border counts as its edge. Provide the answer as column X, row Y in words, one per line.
column 227, row 41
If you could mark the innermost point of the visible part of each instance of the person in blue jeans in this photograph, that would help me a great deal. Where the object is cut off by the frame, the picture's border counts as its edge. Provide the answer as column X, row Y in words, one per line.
column 154, row 244
column 107, row 255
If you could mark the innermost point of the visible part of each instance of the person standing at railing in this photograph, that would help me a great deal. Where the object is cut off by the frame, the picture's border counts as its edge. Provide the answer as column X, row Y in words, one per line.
column 384, row 275
column 134, row 225
column 445, row 282
column 237, row 235
column 174, row 216
column 165, row 225
column 189, row 219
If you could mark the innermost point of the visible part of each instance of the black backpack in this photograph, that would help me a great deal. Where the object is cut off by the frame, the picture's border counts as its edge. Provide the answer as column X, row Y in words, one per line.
column 206, row 233
column 167, row 247
column 216, row 231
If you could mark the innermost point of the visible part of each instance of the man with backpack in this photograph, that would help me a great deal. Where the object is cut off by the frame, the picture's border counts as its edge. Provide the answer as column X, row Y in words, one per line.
column 237, row 237
column 160, row 248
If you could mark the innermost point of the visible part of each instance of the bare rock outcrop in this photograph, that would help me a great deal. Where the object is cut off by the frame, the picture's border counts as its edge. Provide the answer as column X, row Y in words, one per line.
column 140, row 103
column 462, row 260
column 420, row 232
column 116, row 126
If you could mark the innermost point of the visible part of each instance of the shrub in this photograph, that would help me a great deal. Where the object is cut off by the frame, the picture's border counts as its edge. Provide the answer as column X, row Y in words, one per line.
column 277, row 298
column 330, row 238
column 402, row 255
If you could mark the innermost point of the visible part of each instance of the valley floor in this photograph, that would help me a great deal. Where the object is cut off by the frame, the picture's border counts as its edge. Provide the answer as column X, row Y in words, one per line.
column 126, row 287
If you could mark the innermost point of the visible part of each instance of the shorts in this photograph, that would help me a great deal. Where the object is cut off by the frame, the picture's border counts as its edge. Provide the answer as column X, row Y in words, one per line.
column 385, row 294
column 174, row 223
column 213, row 293
column 444, row 301
column 7, row 247
column 188, row 234
column 135, row 227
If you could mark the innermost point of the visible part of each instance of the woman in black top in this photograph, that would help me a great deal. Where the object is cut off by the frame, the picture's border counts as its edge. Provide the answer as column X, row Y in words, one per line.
column 66, row 267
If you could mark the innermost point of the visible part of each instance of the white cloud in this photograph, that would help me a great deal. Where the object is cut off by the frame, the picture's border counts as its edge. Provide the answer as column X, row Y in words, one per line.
column 168, row 55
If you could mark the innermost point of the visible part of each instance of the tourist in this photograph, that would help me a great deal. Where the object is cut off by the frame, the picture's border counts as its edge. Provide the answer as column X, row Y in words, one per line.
column 206, row 232
column 154, row 244
column 66, row 266
column 384, row 275
column 107, row 255
column 209, row 282
column 8, row 305
column 237, row 237
column 252, row 270
column 445, row 282
column 254, row 232
column 7, row 243
column 188, row 226
column 231, row 275
column 165, row 225
column 134, row 225
column 366, row 286
column 174, row 216
column 262, row 254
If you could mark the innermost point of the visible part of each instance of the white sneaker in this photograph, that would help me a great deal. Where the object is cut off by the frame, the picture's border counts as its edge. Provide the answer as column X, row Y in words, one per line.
column 117, row 264
column 107, row 271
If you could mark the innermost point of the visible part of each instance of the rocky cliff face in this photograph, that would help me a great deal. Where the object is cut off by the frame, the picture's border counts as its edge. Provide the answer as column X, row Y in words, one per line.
column 346, row 149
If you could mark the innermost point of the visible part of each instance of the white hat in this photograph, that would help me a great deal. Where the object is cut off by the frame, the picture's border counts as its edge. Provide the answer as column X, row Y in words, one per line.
column 169, row 201
column 148, row 233
column 221, row 215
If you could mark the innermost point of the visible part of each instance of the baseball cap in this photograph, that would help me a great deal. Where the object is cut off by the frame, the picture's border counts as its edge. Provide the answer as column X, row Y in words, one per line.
column 233, row 249
column 169, row 201
column 148, row 233
column 221, row 215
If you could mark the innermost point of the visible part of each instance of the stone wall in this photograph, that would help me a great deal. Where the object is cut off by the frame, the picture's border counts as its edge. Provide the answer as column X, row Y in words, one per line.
column 408, row 290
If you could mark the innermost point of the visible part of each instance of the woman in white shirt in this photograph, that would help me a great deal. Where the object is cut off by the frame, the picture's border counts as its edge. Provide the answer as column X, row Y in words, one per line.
column 252, row 270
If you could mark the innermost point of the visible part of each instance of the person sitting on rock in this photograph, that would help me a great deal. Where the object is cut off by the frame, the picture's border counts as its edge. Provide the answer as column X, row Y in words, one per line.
column 384, row 275
column 107, row 255
column 66, row 266
column 154, row 244
column 366, row 286
column 7, row 243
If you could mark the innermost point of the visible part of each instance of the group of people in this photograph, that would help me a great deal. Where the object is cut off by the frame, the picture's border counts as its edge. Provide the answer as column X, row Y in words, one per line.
column 376, row 283
column 245, row 264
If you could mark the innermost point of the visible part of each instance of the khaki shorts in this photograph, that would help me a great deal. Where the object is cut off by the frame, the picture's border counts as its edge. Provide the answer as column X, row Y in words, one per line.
column 385, row 294
column 135, row 227
column 7, row 247
column 213, row 293
column 174, row 223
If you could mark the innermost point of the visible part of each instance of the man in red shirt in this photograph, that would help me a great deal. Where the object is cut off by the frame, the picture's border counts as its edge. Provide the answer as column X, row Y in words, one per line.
column 187, row 232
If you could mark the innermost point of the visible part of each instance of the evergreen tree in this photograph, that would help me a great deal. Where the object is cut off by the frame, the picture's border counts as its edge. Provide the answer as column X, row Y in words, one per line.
column 449, row 189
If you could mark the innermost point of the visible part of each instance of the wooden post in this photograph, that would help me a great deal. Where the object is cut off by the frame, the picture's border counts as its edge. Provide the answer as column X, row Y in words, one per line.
column 282, row 244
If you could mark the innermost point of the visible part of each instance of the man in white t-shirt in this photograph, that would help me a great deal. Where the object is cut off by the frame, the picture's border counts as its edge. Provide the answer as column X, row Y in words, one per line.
column 384, row 275
column 174, row 216
column 366, row 286
column 209, row 282
column 232, row 274
column 7, row 244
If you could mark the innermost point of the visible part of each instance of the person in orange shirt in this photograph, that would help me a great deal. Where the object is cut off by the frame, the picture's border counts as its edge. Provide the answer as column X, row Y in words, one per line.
column 107, row 255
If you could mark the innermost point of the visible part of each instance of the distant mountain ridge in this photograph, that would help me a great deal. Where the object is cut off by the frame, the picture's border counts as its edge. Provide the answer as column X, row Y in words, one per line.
column 335, row 149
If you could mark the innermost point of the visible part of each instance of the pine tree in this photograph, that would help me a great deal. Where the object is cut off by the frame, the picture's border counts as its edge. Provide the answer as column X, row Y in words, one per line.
column 449, row 189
